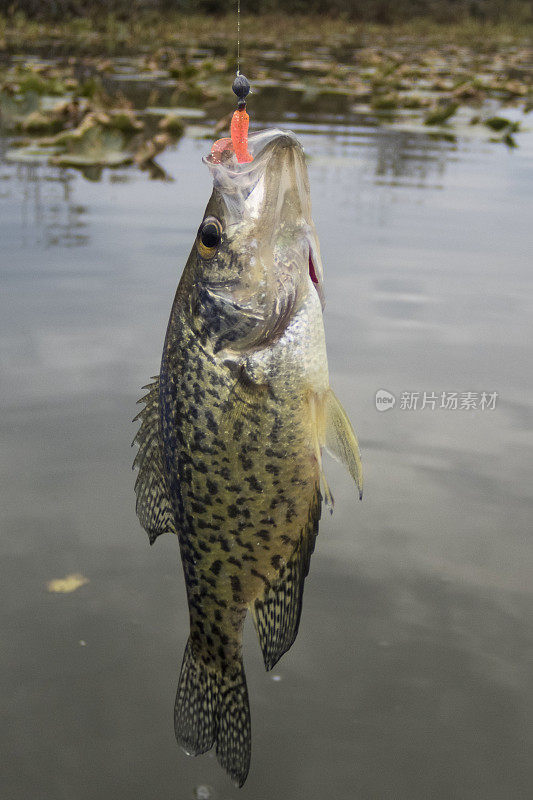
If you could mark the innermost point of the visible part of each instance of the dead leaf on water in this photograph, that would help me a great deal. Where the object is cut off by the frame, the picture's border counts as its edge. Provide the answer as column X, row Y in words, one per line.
column 67, row 584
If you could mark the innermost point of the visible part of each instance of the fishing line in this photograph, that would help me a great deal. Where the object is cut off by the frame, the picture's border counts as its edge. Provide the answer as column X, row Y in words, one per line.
column 238, row 37
column 238, row 141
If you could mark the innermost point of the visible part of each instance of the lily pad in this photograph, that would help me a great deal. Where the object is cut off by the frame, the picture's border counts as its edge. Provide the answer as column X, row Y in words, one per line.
column 96, row 146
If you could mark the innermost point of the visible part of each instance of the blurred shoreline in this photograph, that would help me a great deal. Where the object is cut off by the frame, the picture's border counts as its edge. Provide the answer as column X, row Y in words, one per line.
column 112, row 34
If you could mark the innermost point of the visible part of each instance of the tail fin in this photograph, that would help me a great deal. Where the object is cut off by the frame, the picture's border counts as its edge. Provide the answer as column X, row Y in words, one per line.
column 212, row 708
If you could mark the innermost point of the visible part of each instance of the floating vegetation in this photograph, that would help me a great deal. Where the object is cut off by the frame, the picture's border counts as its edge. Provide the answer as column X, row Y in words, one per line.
column 172, row 124
column 402, row 75
column 96, row 142
column 465, row 126
column 96, row 146
column 411, row 100
column 441, row 115
column 150, row 149
column 39, row 123
column 385, row 102
column 509, row 140
column 85, row 127
column 33, row 153
column 15, row 109
column 502, row 124
column 125, row 121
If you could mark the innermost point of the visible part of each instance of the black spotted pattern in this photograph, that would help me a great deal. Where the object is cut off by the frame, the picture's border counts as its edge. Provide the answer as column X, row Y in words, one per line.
column 240, row 487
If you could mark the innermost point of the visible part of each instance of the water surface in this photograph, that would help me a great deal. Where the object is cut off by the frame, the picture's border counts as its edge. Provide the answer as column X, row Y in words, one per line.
column 410, row 677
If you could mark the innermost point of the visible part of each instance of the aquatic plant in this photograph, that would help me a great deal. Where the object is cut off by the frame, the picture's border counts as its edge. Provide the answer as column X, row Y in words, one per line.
column 410, row 67
column 441, row 115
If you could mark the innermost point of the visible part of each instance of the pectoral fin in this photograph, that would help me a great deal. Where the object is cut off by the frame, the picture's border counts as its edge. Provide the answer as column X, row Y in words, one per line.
column 340, row 439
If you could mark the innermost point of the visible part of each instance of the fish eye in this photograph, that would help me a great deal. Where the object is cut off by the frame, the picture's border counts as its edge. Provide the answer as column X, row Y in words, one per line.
column 209, row 236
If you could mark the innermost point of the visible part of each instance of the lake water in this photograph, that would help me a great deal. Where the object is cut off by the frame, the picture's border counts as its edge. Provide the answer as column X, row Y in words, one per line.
column 411, row 674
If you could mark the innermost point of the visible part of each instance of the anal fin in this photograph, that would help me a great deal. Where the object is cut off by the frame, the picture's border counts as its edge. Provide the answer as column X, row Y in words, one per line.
column 153, row 505
column 277, row 614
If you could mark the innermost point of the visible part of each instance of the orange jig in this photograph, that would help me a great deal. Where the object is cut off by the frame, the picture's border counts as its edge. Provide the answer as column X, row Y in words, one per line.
column 238, row 142
column 240, row 120
column 219, row 149
column 239, row 135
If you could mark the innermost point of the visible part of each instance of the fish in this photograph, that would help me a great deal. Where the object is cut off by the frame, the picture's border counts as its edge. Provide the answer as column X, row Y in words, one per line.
column 232, row 434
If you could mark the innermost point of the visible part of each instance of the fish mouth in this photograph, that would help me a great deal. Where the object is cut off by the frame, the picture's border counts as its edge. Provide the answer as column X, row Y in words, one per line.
column 272, row 192
column 261, row 144
column 269, row 150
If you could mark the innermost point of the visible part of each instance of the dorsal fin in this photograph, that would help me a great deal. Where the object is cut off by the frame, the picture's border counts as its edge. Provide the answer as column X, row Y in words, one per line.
column 277, row 614
column 153, row 505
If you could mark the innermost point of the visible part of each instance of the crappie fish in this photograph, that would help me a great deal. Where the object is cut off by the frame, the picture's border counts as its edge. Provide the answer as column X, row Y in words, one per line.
column 231, row 435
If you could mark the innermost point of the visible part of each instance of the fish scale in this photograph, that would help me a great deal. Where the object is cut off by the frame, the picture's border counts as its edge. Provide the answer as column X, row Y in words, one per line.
column 244, row 525
column 231, row 436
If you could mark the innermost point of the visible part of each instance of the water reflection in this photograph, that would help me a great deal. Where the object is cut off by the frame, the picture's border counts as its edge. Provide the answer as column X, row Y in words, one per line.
column 49, row 210
column 48, row 215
